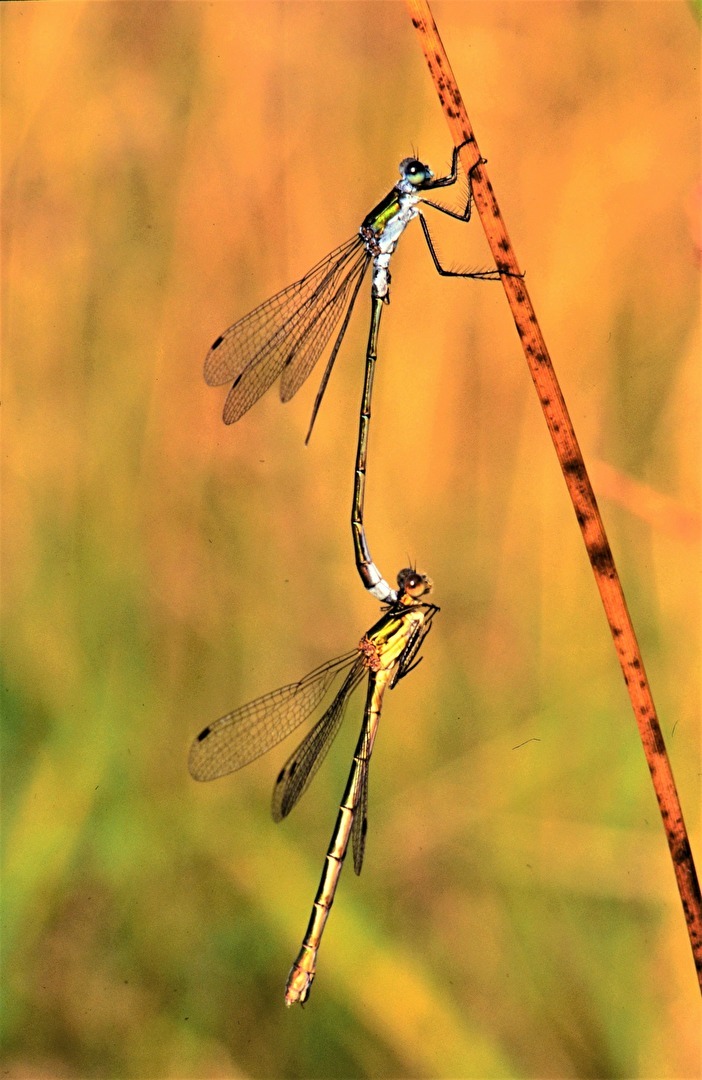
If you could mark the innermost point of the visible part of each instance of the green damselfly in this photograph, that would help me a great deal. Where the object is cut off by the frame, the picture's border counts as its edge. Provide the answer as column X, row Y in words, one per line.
column 386, row 653
column 285, row 336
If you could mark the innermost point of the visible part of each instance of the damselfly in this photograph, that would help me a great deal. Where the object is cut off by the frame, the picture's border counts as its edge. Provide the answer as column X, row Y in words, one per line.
column 386, row 653
column 286, row 335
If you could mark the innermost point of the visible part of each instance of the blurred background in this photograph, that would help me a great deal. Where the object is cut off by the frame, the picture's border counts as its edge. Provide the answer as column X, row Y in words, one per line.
column 167, row 167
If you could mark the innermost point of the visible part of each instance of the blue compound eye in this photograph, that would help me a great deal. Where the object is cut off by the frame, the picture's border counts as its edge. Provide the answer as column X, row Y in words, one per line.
column 415, row 171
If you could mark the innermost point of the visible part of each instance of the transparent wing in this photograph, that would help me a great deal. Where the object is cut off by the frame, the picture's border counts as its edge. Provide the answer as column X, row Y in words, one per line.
column 296, row 346
column 298, row 771
column 260, row 330
column 405, row 663
column 332, row 355
column 249, row 731
column 310, row 349
column 296, row 321
column 360, row 821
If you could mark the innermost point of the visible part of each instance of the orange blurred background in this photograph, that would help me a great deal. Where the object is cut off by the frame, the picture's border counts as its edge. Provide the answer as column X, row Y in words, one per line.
column 165, row 168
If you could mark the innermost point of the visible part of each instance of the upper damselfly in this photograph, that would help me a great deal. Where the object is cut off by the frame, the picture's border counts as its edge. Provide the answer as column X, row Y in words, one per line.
column 285, row 336
column 386, row 653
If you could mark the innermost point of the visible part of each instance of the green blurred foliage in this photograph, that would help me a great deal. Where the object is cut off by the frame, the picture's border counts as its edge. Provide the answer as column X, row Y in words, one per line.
column 166, row 167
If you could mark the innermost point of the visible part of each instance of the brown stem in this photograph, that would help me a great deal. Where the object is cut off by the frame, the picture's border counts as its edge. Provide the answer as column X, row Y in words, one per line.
column 574, row 471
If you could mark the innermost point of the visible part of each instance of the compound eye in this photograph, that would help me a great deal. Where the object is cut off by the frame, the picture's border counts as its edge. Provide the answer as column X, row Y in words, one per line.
column 415, row 171
column 412, row 583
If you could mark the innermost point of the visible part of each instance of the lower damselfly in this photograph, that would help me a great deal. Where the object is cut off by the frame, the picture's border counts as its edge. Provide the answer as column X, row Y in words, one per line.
column 285, row 336
column 386, row 653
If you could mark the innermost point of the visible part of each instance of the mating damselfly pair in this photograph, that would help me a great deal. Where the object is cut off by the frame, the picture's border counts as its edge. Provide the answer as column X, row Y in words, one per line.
column 283, row 339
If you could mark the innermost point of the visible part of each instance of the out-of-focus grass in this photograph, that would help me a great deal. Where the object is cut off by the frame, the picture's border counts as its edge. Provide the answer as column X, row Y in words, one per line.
column 167, row 166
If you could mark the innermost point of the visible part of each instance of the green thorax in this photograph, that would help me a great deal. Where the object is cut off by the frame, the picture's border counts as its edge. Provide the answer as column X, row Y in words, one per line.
column 384, row 212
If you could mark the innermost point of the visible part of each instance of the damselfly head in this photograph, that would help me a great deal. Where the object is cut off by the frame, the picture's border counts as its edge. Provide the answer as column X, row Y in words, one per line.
column 413, row 583
column 415, row 172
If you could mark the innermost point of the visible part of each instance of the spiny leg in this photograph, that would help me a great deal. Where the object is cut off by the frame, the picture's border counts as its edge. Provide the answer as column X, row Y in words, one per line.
column 448, row 181
column 478, row 275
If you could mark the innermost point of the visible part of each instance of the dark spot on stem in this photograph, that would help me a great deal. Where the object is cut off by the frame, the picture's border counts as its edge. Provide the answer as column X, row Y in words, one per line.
column 601, row 559
column 682, row 852
column 658, row 744
column 574, row 467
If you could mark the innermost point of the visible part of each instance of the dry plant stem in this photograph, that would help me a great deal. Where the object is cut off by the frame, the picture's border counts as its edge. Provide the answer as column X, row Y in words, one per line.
column 573, row 466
